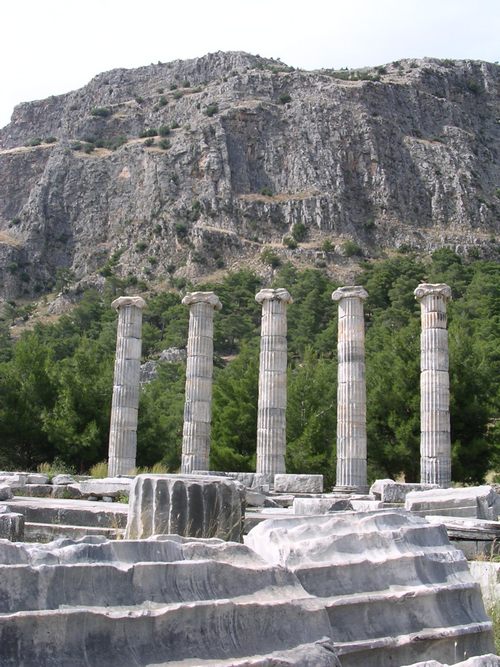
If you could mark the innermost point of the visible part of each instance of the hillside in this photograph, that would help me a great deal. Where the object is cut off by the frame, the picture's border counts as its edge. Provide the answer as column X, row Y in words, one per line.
column 243, row 152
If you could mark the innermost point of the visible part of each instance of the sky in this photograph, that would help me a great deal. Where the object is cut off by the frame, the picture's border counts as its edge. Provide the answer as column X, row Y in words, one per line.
column 48, row 47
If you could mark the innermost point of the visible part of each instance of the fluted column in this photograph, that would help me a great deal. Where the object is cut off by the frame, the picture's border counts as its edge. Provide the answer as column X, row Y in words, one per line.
column 125, row 405
column 198, row 401
column 351, row 390
column 435, row 441
column 271, row 416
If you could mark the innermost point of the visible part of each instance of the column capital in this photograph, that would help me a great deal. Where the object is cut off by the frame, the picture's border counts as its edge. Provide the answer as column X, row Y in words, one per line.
column 433, row 289
column 279, row 294
column 350, row 292
column 202, row 297
column 122, row 301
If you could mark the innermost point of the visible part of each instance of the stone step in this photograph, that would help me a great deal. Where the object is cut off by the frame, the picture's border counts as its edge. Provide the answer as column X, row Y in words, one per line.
column 367, row 616
column 217, row 630
column 365, row 575
column 46, row 532
column 451, row 644
column 70, row 512
column 31, row 588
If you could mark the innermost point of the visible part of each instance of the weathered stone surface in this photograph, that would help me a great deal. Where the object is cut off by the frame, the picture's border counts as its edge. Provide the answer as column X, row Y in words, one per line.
column 125, row 403
column 37, row 478
column 185, row 505
column 395, row 589
column 271, row 413
column 11, row 526
column 321, row 505
column 5, row 492
column 400, row 126
column 435, row 442
column 109, row 486
column 489, row 660
column 389, row 491
column 351, row 390
column 13, row 478
column 480, row 502
column 199, row 366
column 176, row 601
column 287, row 483
column 66, row 491
column 63, row 479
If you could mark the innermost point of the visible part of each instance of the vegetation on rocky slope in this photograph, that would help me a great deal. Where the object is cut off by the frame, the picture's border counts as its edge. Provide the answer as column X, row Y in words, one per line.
column 56, row 380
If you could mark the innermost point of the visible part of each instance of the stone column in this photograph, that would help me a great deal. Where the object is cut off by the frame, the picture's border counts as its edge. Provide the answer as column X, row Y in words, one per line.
column 198, row 402
column 351, row 391
column 435, row 442
column 125, row 405
column 271, row 416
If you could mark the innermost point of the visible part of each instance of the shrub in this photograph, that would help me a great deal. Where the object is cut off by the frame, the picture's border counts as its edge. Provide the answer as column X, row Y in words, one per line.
column 177, row 95
column 173, row 86
column 149, row 142
column 181, row 229
column 284, row 98
column 175, row 125
column 141, row 246
column 34, row 142
column 164, row 144
column 150, row 132
column 99, row 470
column 162, row 102
column 290, row 242
column 186, row 84
column 351, row 249
column 50, row 140
column 327, row 246
column 139, row 99
column 163, row 130
column 473, row 86
column 299, row 231
column 15, row 221
column 212, row 109
column 101, row 112
column 160, row 90
column 269, row 257
column 266, row 191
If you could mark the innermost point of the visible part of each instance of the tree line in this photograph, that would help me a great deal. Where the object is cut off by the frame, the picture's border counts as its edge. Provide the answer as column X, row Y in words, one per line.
column 56, row 380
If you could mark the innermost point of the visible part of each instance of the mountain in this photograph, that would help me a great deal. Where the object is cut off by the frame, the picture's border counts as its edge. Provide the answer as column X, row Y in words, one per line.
column 186, row 168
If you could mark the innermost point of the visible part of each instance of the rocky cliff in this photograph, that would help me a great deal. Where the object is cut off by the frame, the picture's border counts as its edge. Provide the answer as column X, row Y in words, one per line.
column 187, row 167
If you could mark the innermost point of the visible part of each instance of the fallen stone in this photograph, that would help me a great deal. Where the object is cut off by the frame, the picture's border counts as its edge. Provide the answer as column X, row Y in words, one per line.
column 489, row 660
column 254, row 498
column 37, row 478
column 479, row 502
column 11, row 526
column 14, row 479
column 377, row 486
column 395, row 492
column 366, row 505
column 63, row 479
column 5, row 492
column 33, row 490
column 70, row 491
column 284, row 483
column 188, row 505
column 305, row 506
column 109, row 486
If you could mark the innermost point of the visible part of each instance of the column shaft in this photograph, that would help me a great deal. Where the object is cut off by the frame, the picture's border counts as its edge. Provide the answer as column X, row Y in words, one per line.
column 199, row 367
column 435, row 440
column 125, row 404
column 351, row 390
column 271, row 415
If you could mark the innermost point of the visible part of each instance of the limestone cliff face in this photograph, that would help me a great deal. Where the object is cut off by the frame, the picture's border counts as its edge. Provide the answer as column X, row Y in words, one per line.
column 408, row 154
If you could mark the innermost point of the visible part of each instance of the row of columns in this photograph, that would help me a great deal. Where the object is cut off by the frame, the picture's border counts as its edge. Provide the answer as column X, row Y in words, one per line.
column 435, row 446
